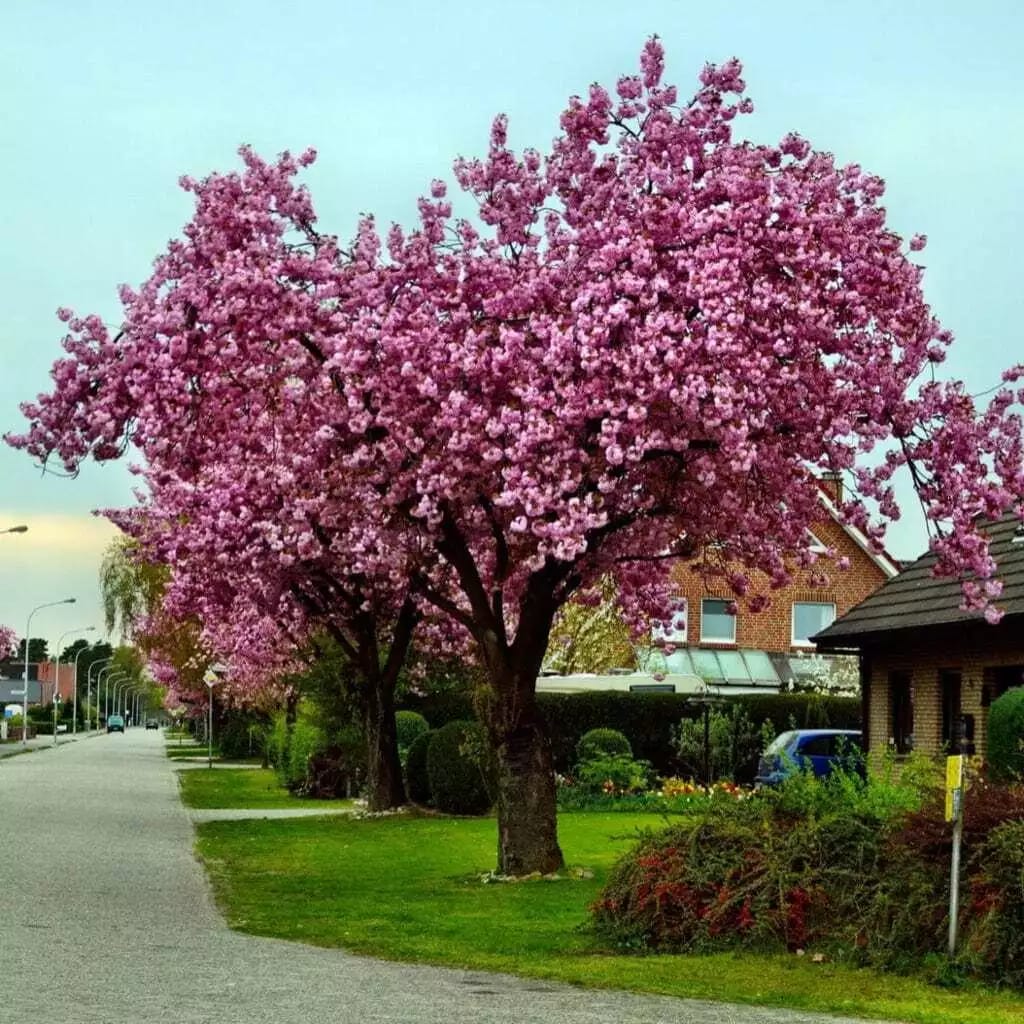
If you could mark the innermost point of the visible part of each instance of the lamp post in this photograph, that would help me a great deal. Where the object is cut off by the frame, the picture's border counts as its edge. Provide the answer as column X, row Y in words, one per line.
column 211, row 681
column 28, row 634
column 56, row 674
column 88, row 691
column 74, row 714
column 15, row 529
column 705, row 700
column 110, row 686
column 106, row 691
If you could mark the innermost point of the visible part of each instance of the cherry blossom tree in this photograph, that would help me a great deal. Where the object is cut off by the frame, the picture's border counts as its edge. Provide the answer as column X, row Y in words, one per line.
column 649, row 339
column 8, row 641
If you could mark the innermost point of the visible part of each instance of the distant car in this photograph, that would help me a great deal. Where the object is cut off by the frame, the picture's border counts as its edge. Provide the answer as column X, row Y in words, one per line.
column 816, row 750
column 115, row 723
column 152, row 723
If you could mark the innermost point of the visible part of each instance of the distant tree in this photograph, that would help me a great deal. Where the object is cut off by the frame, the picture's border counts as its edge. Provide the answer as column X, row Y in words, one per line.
column 38, row 650
column 590, row 637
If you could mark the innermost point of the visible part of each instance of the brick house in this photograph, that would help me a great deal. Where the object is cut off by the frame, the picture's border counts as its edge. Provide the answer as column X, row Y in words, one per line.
column 771, row 647
column 930, row 670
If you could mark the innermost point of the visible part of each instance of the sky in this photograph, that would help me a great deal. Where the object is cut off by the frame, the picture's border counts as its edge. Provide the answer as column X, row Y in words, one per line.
column 106, row 104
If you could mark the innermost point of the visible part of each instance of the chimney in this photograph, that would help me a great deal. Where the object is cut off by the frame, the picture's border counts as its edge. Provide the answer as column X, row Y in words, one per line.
column 832, row 484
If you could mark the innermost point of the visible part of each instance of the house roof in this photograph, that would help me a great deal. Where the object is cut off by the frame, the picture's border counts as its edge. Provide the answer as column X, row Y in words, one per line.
column 916, row 599
column 889, row 566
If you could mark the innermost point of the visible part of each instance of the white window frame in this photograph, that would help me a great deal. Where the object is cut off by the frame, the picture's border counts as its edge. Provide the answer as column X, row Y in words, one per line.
column 717, row 639
column 808, row 644
column 668, row 634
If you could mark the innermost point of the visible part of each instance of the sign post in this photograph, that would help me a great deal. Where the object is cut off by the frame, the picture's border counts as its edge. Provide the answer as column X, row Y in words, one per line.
column 211, row 680
column 955, row 814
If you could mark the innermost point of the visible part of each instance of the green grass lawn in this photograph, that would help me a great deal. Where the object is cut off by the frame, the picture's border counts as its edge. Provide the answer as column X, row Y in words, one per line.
column 244, row 787
column 409, row 889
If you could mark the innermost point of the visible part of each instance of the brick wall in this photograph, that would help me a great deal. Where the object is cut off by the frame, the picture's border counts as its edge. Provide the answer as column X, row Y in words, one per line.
column 67, row 680
column 771, row 629
column 966, row 648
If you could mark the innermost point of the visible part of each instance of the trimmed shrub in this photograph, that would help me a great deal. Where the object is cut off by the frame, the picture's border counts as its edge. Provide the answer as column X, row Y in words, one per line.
column 457, row 769
column 409, row 725
column 417, row 783
column 602, row 743
column 1005, row 742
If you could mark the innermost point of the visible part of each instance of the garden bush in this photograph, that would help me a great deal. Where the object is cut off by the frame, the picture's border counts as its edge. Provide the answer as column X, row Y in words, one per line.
column 734, row 746
column 599, row 743
column 408, row 725
column 857, row 869
column 417, row 783
column 458, row 770
column 613, row 774
column 1005, row 737
column 742, row 873
column 994, row 936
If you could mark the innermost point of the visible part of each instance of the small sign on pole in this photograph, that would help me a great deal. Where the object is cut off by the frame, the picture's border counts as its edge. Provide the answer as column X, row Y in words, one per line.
column 955, row 814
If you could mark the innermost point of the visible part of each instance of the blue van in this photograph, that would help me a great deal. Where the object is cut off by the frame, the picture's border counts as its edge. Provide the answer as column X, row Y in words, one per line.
column 816, row 750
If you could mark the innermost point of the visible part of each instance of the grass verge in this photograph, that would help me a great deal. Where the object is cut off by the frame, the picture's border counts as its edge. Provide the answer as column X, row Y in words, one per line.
column 410, row 889
column 245, row 787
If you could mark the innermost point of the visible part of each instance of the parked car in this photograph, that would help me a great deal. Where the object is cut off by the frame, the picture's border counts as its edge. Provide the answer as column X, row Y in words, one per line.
column 152, row 723
column 115, row 723
column 817, row 750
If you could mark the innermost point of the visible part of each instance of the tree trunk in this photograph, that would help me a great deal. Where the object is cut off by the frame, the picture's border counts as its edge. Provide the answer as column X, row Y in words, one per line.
column 384, row 788
column 527, row 814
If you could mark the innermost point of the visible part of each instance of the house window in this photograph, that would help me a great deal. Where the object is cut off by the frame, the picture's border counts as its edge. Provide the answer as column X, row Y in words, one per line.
column 901, row 713
column 717, row 624
column 810, row 617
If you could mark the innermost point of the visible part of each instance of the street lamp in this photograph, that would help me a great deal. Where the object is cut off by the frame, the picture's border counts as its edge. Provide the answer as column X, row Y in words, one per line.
column 56, row 675
column 15, row 529
column 211, row 681
column 108, row 684
column 28, row 634
column 88, row 690
column 74, row 715
column 106, row 691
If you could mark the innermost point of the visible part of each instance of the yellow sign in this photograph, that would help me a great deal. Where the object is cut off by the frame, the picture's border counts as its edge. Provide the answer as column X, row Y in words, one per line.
column 954, row 785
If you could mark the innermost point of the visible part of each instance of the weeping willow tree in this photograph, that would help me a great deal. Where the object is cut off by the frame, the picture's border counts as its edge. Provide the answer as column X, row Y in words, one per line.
column 132, row 594
column 131, row 587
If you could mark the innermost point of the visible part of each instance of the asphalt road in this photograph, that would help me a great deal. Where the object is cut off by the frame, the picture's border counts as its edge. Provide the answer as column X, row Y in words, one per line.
column 107, row 917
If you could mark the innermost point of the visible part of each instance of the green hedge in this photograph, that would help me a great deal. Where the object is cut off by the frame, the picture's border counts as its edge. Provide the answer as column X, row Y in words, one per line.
column 647, row 719
column 1006, row 737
